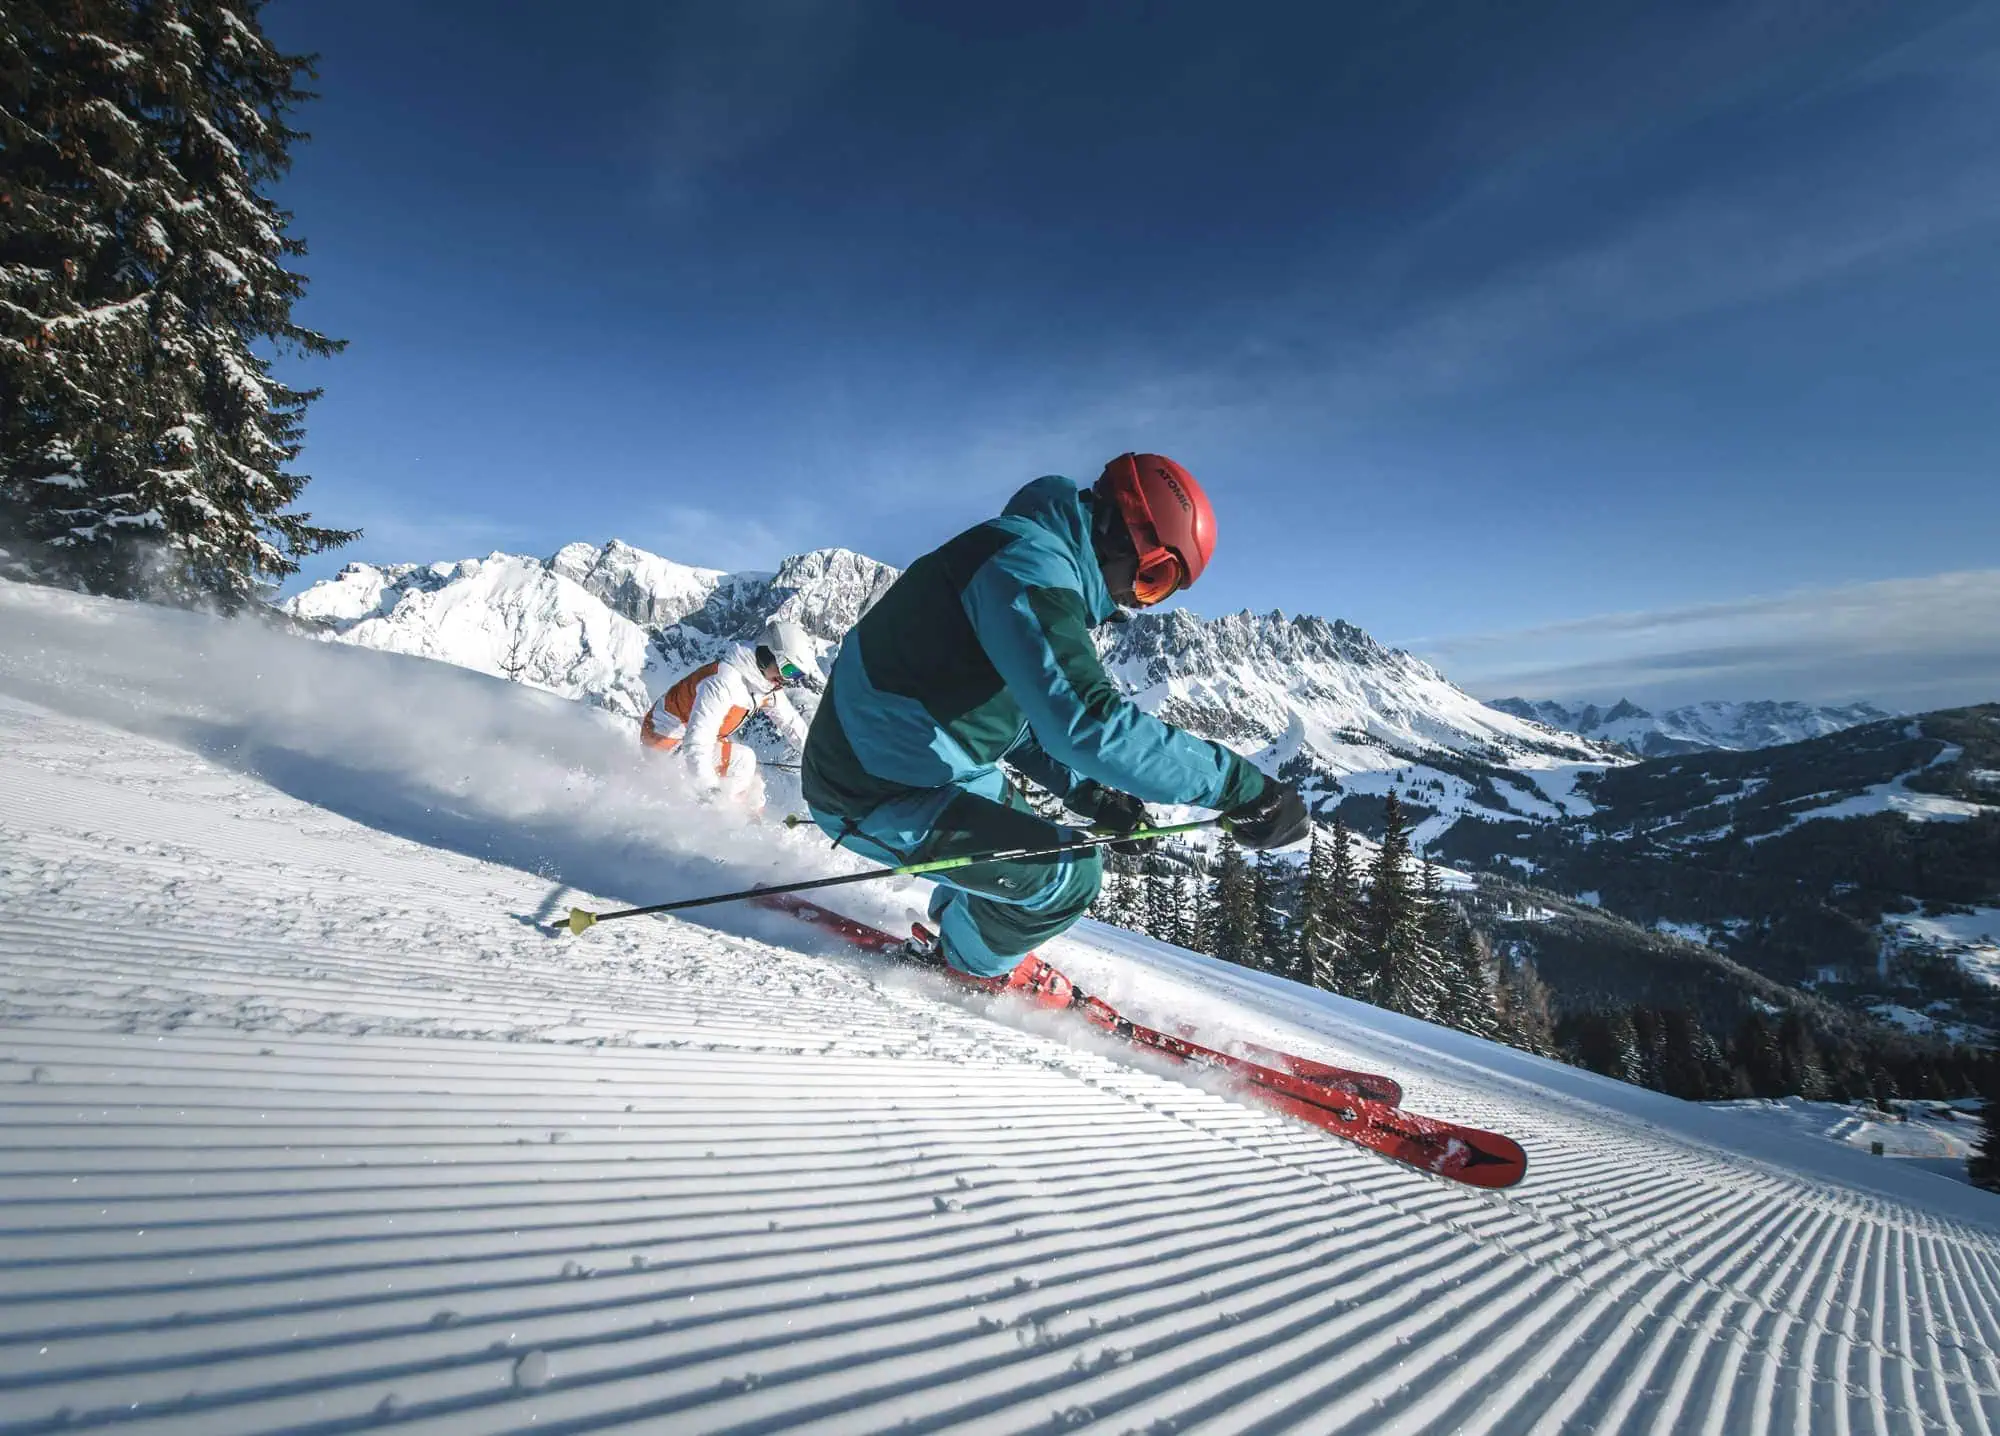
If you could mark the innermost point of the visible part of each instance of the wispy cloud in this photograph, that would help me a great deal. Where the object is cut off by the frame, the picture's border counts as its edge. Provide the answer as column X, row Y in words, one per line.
column 738, row 539
column 1525, row 267
column 735, row 76
column 1908, row 643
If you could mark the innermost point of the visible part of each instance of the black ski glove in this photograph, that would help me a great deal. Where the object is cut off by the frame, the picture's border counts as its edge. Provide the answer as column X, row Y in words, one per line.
column 1113, row 811
column 1275, row 818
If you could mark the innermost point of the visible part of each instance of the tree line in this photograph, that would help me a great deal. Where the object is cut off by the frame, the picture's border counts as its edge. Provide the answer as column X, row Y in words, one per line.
column 1392, row 936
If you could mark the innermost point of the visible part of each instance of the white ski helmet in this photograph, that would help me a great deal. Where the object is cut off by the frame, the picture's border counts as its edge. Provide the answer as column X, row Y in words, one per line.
column 783, row 645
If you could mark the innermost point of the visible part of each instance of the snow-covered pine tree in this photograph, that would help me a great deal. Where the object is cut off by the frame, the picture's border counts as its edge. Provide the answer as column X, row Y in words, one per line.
column 144, row 442
column 1401, row 967
column 1129, row 910
column 1308, row 929
column 1432, row 911
column 1468, row 975
column 1232, row 903
column 1104, row 906
column 1187, row 912
column 1526, row 1011
column 1162, row 918
column 1337, row 967
column 1271, row 943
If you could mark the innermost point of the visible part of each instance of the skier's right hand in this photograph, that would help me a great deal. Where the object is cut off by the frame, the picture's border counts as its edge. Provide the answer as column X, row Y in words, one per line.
column 1275, row 818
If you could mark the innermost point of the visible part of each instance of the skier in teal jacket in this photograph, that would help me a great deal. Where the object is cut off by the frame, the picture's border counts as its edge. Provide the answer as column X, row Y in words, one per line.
column 981, row 653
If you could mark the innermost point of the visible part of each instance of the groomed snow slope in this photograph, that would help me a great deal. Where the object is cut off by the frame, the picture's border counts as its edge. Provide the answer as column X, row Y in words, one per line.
column 308, row 1128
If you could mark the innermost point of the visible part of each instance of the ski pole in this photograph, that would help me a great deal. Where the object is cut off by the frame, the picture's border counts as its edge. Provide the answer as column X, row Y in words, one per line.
column 582, row 918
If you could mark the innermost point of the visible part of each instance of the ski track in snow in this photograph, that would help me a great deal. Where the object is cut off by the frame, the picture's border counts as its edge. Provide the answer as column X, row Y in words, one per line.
column 308, row 1128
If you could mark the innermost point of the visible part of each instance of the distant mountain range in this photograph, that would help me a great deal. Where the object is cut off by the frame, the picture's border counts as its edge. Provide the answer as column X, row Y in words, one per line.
column 1695, row 727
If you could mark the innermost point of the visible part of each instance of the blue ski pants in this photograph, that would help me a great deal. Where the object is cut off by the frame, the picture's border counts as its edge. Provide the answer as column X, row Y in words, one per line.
column 990, row 915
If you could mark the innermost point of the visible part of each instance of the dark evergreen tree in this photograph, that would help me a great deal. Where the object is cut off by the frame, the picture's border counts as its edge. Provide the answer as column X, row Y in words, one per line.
column 144, row 438
column 1162, row 917
column 1753, row 1054
column 1232, row 904
column 1690, row 1065
column 1983, row 1167
column 1271, row 947
column 1469, row 985
column 1604, row 1041
column 1525, row 1009
column 1649, row 1047
column 1337, row 959
column 1187, row 913
column 1800, row 1071
column 1401, row 968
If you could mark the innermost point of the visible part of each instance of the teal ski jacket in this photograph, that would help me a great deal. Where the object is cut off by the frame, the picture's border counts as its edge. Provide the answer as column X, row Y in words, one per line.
column 980, row 653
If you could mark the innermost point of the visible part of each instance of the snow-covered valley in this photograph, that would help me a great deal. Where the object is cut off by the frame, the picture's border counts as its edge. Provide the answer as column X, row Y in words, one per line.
column 311, row 1127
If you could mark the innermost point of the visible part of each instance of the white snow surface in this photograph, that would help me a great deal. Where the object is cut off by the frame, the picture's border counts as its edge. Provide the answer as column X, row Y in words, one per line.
column 1894, row 796
column 311, row 1127
column 1971, row 939
column 1937, row 1136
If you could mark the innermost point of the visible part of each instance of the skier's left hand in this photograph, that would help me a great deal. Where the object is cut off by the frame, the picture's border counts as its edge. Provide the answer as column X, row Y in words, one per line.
column 1113, row 812
column 1275, row 818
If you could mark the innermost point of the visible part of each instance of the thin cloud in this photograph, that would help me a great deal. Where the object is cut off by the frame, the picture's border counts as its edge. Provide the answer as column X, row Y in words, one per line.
column 1925, row 176
column 738, row 540
column 737, row 77
column 1906, row 643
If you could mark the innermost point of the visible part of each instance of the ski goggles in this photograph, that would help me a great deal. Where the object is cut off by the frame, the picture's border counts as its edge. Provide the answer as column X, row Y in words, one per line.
column 789, row 673
column 1161, row 573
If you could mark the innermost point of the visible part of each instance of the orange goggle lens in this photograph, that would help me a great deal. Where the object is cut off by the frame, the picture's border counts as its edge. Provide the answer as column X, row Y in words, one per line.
column 1160, row 577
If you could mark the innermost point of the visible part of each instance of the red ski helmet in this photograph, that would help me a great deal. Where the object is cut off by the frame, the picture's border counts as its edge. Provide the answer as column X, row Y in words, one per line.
column 1168, row 517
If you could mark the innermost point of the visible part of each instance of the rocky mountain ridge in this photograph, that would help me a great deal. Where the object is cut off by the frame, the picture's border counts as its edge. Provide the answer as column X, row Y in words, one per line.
column 1694, row 727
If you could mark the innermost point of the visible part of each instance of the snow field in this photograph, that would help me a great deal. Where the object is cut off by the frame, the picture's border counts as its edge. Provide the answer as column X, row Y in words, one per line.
column 306, row 1126
column 1923, row 1135
column 1971, row 938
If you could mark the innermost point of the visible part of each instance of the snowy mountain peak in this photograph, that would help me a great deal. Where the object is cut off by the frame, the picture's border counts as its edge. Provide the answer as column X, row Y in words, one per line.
column 506, row 615
column 826, row 591
column 1695, row 727
column 1249, row 676
column 649, row 590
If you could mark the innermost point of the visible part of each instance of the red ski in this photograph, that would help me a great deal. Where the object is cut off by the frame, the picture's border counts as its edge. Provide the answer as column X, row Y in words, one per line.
column 1348, row 1104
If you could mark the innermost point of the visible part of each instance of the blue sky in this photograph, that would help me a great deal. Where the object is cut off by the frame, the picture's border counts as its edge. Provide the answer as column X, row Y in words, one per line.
column 1589, row 350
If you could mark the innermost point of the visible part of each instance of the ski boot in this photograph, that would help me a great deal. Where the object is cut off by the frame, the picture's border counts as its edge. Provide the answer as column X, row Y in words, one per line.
column 1032, row 979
